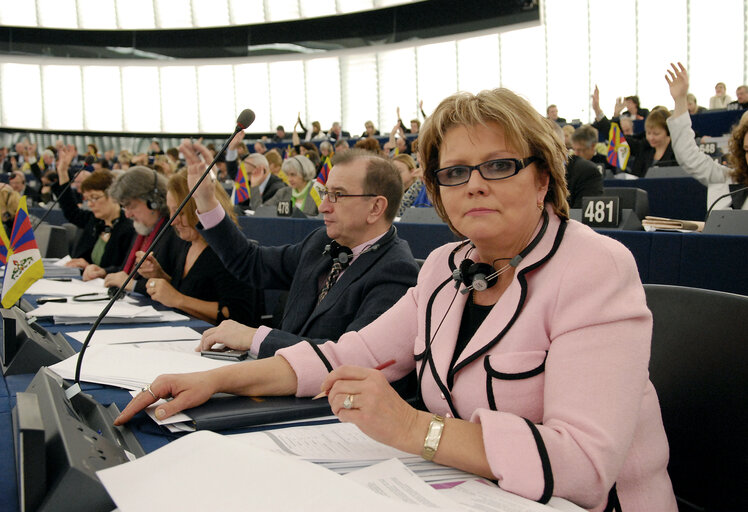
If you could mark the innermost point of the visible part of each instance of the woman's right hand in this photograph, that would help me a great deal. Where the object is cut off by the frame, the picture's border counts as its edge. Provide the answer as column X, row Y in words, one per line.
column 151, row 268
column 77, row 263
column 187, row 390
column 197, row 157
column 229, row 332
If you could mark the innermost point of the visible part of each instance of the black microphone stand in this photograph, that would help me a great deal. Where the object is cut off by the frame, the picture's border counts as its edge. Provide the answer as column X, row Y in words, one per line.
column 720, row 198
column 75, row 389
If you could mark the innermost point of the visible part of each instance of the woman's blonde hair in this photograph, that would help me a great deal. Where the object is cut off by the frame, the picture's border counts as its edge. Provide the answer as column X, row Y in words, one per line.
column 525, row 130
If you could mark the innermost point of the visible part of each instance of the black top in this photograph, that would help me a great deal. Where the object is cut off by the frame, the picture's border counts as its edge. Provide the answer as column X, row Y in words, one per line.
column 643, row 155
column 472, row 317
column 119, row 241
column 167, row 253
column 209, row 280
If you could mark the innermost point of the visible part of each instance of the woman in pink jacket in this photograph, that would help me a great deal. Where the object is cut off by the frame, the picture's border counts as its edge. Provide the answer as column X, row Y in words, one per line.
column 530, row 339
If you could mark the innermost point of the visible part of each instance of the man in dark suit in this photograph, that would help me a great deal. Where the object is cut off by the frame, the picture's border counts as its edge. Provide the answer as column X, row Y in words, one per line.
column 262, row 183
column 339, row 278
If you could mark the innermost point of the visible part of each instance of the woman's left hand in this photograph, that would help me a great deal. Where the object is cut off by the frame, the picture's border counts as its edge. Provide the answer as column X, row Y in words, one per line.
column 162, row 291
column 115, row 279
column 375, row 407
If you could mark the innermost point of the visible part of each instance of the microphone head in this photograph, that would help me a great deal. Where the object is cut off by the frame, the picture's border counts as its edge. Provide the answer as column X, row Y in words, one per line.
column 246, row 118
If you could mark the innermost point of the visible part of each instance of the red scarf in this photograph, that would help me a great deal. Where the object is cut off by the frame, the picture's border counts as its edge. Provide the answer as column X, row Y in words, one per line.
column 142, row 243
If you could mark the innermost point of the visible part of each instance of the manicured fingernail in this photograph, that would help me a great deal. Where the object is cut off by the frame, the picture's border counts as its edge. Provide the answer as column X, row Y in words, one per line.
column 160, row 413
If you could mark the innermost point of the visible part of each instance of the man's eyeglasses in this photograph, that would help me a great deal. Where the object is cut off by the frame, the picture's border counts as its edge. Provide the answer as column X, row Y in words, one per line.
column 499, row 169
column 334, row 196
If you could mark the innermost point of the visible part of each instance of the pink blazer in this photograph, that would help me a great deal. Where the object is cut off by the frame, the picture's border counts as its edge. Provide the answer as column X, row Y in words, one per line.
column 556, row 374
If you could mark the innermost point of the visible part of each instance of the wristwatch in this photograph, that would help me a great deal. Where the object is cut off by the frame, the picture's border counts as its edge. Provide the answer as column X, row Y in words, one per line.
column 433, row 435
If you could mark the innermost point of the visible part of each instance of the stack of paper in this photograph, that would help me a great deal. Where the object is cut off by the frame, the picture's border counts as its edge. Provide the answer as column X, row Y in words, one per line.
column 87, row 312
column 66, row 288
column 131, row 366
column 139, row 335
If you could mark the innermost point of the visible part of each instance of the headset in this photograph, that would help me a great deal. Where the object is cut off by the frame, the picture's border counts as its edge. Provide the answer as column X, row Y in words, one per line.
column 154, row 200
column 344, row 255
column 481, row 276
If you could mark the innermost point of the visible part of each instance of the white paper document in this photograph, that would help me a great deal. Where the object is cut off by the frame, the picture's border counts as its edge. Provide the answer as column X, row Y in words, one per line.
column 207, row 471
column 132, row 367
column 66, row 288
column 138, row 335
column 87, row 312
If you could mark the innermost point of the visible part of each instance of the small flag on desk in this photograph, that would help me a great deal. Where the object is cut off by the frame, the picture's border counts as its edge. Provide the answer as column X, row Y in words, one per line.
column 241, row 186
column 618, row 148
column 324, row 171
column 23, row 261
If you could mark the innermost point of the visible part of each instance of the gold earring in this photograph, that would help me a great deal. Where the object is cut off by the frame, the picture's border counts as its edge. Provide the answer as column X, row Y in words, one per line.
column 540, row 206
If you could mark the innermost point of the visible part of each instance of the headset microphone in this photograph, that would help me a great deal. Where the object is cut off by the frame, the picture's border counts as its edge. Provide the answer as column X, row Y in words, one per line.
column 245, row 119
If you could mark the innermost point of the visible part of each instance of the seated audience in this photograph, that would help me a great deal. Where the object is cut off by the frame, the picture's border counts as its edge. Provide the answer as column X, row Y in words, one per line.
column 17, row 182
column 720, row 100
column 633, row 108
column 656, row 149
column 9, row 202
column 701, row 166
column 142, row 194
column 526, row 381
column 369, row 130
column 336, row 132
column 275, row 161
column 199, row 284
column 339, row 278
column 301, row 173
column 368, row 144
column 584, row 142
column 263, row 184
column 106, row 233
column 280, row 134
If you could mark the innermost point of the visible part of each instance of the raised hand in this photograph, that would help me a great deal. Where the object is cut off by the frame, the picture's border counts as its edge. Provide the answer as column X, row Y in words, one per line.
column 619, row 106
column 197, row 158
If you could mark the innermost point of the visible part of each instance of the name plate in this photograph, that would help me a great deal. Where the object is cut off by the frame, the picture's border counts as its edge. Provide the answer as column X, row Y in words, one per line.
column 601, row 211
column 284, row 209
column 710, row 148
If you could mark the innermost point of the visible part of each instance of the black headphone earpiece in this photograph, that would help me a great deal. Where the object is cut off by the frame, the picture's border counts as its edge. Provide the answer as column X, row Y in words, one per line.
column 339, row 253
column 478, row 275
column 154, row 202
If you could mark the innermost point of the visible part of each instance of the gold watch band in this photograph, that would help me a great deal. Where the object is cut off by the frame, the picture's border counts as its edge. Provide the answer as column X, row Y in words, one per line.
column 433, row 435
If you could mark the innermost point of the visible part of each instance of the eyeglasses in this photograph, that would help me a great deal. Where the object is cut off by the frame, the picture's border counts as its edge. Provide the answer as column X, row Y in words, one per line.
column 92, row 199
column 499, row 169
column 334, row 196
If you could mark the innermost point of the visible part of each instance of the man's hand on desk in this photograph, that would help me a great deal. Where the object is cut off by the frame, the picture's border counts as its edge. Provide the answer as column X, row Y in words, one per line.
column 93, row 272
column 162, row 291
column 188, row 390
column 116, row 279
column 230, row 333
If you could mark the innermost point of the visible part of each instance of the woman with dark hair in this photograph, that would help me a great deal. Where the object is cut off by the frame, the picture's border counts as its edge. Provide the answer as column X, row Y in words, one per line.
column 526, row 379
column 106, row 232
column 719, row 178
column 199, row 284
column 656, row 149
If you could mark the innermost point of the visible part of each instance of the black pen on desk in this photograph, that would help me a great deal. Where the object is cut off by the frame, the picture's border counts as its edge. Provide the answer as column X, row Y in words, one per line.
column 378, row 367
column 61, row 279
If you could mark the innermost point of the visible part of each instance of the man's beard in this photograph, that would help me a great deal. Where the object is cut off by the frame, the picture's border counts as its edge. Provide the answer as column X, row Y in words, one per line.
column 141, row 228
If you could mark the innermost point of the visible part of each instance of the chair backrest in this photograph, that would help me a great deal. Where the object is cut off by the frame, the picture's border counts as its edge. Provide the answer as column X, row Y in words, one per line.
column 631, row 198
column 424, row 215
column 699, row 367
column 73, row 234
column 52, row 240
column 673, row 171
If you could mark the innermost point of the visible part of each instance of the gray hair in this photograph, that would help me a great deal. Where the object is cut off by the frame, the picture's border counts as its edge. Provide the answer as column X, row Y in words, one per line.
column 326, row 145
column 142, row 183
column 258, row 160
column 300, row 165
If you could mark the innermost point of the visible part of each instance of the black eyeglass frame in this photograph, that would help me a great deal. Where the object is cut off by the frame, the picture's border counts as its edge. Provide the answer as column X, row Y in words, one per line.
column 334, row 196
column 518, row 166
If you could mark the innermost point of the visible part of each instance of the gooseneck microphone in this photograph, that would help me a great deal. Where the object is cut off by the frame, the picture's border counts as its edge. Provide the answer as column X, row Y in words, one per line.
column 245, row 119
column 732, row 192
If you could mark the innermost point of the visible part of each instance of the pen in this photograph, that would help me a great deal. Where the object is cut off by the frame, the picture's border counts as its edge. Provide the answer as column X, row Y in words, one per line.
column 378, row 367
column 61, row 279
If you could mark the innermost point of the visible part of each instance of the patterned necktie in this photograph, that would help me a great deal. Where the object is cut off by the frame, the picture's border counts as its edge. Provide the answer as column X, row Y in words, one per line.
column 334, row 273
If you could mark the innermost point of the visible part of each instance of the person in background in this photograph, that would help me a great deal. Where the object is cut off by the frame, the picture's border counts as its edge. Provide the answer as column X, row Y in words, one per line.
column 141, row 192
column 336, row 133
column 527, row 381
column 583, row 143
column 106, row 233
column 412, row 183
column 260, row 147
column 17, row 182
column 369, row 130
column 552, row 114
column 9, row 203
column 741, row 103
column 301, row 173
column 263, row 184
column 583, row 177
column 701, row 166
column 341, row 145
column 693, row 106
column 199, row 284
column 275, row 162
column 656, row 149
column 280, row 134
column 720, row 100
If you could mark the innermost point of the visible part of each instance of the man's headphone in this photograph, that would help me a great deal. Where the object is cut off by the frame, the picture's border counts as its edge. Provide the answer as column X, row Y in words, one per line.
column 481, row 276
column 154, row 197
column 339, row 253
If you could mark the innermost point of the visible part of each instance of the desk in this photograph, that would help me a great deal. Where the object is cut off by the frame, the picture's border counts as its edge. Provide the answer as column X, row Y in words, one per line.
column 714, row 123
column 674, row 198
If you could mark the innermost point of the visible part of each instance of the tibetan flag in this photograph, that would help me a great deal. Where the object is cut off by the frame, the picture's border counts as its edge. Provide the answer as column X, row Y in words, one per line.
column 618, row 148
column 241, row 186
column 314, row 193
column 324, row 171
column 23, row 260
